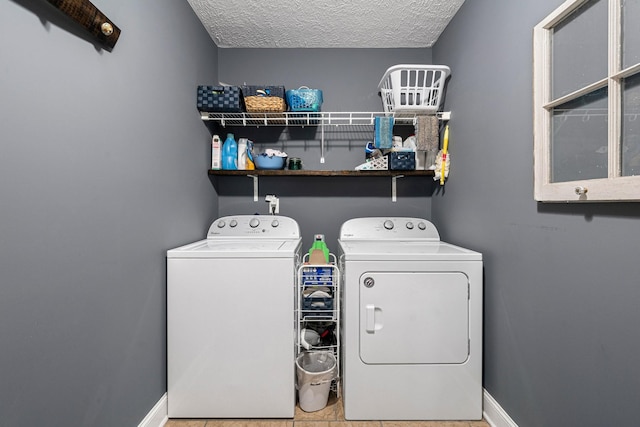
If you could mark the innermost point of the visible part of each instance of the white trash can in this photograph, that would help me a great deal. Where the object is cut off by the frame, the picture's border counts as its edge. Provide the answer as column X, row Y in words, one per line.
column 315, row 371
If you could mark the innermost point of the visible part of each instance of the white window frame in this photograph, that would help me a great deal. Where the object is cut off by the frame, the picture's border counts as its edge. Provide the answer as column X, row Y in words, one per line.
column 615, row 187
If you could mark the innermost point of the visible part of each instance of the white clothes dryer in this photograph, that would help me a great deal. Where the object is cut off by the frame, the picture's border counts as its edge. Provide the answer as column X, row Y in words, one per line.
column 230, row 320
column 412, row 323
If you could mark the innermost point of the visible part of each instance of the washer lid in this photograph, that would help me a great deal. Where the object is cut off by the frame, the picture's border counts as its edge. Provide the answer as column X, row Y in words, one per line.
column 390, row 250
column 238, row 248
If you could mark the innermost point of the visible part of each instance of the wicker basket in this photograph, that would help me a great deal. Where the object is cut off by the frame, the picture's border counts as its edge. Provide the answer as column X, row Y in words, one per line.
column 264, row 99
column 264, row 104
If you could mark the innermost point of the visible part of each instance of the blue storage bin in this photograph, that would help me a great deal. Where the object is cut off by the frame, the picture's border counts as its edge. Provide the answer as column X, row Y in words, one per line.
column 304, row 99
column 222, row 99
column 402, row 160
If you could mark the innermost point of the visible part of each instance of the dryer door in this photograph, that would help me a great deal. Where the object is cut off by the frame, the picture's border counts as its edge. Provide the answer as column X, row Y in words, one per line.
column 414, row 317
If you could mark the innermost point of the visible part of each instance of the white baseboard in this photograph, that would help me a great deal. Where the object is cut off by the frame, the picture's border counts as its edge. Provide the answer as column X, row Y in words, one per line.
column 494, row 414
column 157, row 416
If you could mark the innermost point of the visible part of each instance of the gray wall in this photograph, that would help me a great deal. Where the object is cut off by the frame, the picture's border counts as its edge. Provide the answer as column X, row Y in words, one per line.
column 561, row 281
column 349, row 80
column 103, row 168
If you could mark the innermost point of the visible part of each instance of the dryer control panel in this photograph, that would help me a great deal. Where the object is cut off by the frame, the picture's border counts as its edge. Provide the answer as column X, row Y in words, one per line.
column 389, row 228
column 254, row 226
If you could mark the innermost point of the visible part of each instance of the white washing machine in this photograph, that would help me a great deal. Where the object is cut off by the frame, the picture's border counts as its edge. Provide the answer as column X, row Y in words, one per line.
column 230, row 320
column 412, row 323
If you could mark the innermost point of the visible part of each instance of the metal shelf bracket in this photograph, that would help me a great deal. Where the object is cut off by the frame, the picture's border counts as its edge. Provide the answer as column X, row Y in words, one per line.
column 255, row 186
column 394, row 183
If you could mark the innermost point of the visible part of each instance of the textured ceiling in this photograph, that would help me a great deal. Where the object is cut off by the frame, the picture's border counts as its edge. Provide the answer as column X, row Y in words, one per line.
column 325, row 24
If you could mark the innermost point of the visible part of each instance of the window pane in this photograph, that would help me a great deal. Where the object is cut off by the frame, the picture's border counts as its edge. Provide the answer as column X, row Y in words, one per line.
column 631, row 126
column 580, row 48
column 579, row 138
column 630, row 33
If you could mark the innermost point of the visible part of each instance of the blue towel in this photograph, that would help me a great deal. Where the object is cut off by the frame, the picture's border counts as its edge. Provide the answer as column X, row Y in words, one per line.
column 384, row 132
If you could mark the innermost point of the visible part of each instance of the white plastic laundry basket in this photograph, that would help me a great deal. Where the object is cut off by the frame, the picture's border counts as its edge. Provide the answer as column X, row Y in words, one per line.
column 413, row 88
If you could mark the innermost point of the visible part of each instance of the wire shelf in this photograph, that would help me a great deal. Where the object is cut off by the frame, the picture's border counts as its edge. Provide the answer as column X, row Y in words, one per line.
column 302, row 119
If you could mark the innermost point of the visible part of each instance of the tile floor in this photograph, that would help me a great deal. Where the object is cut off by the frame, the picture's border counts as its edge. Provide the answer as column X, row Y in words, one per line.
column 331, row 416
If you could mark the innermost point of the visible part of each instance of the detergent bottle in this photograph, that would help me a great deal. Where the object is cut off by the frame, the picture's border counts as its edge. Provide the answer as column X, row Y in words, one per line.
column 216, row 153
column 242, row 153
column 319, row 246
column 230, row 153
column 250, row 164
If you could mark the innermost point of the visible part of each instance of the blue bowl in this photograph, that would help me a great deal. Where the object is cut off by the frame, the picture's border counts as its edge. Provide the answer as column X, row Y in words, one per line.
column 263, row 161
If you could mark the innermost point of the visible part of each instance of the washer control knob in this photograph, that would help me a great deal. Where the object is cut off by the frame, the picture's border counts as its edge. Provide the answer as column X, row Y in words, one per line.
column 388, row 224
column 233, row 223
column 410, row 225
column 422, row 226
column 369, row 282
column 254, row 222
column 221, row 224
column 275, row 223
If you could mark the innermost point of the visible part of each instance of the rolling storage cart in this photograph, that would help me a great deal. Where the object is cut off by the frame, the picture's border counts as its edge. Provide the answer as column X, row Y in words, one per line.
column 318, row 315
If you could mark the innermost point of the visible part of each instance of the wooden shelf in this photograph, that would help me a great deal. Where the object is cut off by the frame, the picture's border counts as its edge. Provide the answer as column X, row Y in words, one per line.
column 340, row 173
